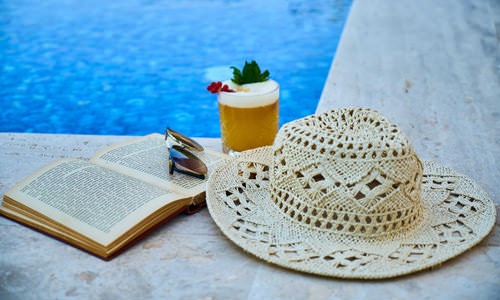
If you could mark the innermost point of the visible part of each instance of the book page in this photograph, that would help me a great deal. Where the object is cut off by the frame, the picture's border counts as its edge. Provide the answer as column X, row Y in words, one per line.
column 90, row 199
column 147, row 159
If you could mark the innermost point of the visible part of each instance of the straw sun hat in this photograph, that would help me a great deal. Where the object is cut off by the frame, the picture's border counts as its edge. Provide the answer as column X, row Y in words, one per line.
column 344, row 194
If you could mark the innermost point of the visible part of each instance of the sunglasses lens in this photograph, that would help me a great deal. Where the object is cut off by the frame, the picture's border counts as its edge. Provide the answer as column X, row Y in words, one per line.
column 185, row 162
column 183, row 140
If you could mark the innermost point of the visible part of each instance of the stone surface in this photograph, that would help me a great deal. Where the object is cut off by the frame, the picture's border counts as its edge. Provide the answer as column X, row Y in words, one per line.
column 430, row 66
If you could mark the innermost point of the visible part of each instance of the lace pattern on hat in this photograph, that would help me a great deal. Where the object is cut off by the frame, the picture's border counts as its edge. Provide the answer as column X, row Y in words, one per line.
column 349, row 171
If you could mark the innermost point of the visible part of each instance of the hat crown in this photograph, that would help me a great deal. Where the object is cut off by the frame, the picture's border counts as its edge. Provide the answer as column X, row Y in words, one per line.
column 348, row 170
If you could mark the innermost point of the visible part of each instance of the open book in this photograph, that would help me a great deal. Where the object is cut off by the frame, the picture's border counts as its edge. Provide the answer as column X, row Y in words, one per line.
column 105, row 204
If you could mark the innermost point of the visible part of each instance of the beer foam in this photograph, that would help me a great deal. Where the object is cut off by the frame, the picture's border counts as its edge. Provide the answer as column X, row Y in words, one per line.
column 250, row 94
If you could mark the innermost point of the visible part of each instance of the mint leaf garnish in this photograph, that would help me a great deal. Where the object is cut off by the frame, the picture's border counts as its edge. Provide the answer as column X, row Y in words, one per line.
column 251, row 73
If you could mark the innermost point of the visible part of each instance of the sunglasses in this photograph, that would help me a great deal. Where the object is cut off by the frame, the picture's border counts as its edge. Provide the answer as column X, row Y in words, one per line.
column 180, row 158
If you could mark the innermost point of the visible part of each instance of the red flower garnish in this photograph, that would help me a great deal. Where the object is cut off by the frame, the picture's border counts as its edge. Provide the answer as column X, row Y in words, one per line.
column 216, row 87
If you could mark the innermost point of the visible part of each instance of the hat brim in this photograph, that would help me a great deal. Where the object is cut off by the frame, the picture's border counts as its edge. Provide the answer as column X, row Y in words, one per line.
column 458, row 214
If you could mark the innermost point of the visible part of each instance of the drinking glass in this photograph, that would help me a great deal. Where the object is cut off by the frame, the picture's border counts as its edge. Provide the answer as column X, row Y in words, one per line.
column 249, row 117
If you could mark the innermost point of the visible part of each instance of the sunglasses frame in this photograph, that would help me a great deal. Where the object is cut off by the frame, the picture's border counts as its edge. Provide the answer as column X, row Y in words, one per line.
column 182, row 140
column 183, row 144
column 172, row 165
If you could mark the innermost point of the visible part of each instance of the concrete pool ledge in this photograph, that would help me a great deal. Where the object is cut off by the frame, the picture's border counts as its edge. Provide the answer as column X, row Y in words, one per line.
column 432, row 67
column 413, row 52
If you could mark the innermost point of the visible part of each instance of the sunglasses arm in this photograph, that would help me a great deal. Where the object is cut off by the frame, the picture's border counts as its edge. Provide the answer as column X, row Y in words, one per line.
column 171, row 166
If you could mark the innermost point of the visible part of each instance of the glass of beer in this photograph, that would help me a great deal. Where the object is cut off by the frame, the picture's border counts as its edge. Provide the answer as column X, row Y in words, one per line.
column 249, row 117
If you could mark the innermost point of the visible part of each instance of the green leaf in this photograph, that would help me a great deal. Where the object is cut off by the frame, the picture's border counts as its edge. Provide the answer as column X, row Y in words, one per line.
column 251, row 73
column 237, row 75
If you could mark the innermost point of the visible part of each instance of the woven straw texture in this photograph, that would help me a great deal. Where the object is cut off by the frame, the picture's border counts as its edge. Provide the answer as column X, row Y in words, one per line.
column 343, row 194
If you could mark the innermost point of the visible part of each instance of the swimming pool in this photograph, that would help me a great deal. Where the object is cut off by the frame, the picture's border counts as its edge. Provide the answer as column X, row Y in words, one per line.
column 133, row 67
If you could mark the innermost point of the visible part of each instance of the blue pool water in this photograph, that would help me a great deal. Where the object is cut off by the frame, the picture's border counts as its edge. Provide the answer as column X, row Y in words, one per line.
column 134, row 66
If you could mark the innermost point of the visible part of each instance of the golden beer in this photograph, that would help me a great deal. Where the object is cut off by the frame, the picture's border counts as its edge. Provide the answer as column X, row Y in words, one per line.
column 249, row 117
